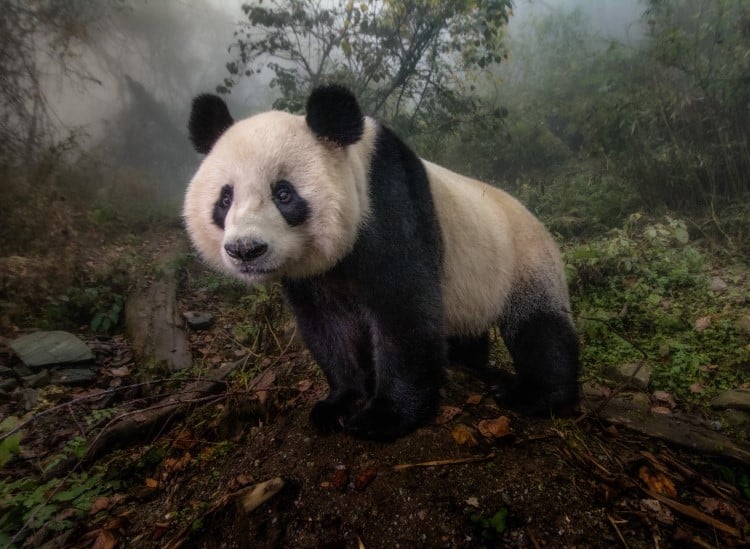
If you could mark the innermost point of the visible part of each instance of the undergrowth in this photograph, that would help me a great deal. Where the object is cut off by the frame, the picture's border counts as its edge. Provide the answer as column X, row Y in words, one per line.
column 645, row 289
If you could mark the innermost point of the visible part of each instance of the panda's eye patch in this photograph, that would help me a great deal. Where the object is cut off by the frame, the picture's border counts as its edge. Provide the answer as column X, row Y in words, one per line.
column 292, row 207
column 222, row 205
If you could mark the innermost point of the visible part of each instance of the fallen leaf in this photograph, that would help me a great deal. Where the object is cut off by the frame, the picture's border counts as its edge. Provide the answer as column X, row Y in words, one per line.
column 263, row 383
column 447, row 413
column 185, row 440
column 657, row 481
column 104, row 540
column 697, row 388
column 495, row 428
column 472, row 501
column 474, row 399
column 152, row 483
column 702, row 323
column 463, row 435
column 340, row 478
column 365, row 477
column 304, row 385
column 99, row 504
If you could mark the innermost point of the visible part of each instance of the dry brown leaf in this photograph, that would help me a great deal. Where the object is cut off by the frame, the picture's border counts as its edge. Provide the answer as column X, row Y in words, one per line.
column 185, row 440
column 495, row 428
column 365, row 477
column 474, row 399
column 697, row 388
column 463, row 435
column 104, row 540
column 657, row 481
column 304, row 385
column 263, row 384
column 447, row 413
column 152, row 483
column 99, row 504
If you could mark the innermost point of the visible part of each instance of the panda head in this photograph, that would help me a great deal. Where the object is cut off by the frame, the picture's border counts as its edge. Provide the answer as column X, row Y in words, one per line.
column 279, row 195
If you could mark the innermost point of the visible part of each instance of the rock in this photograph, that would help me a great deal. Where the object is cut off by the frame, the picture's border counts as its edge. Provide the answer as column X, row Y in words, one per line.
column 736, row 399
column 6, row 372
column 37, row 380
column 198, row 320
column 624, row 372
column 736, row 418
column 8, row 384
column 72, row 376
column 22, row 370
column 717, row 284
column 45, row 348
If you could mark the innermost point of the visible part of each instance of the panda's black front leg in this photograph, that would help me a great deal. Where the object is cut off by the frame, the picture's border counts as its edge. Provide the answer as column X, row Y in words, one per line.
column 339, row 341
column 409, row 358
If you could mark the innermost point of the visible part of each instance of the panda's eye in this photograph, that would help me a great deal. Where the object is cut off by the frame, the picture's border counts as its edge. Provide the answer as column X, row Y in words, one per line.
column 282, row 193
column 226, row 197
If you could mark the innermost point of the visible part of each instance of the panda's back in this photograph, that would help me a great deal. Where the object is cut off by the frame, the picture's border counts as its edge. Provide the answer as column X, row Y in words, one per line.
column 492, row 245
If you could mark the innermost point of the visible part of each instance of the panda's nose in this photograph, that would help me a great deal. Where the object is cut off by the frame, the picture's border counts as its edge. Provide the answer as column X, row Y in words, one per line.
column 245, row 251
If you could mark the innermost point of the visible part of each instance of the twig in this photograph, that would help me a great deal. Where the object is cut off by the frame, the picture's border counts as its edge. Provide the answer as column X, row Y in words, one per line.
column 435, row 463
column 619, row 534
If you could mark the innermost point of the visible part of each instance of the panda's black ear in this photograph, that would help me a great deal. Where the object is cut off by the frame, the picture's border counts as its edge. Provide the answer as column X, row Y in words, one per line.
column 209, row 118
column 334, row 114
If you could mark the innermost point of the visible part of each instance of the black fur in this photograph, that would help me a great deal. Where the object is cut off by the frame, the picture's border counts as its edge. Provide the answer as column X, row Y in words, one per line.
column 209, row 119
column 334, row 114
column 374, row 323
column 293, row 208
column 470, row 351
column 222, row 205
column 544, row 347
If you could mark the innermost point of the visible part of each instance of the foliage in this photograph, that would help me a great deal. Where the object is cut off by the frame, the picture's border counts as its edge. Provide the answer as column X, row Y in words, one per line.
column 28, row 505
column 666, row 112
column 493, row 526
column 98, row 306
column 413, row 63
column 643, row 288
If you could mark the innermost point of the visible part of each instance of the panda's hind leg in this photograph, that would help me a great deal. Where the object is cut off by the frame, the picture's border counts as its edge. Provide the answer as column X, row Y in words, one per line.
column 544, row 348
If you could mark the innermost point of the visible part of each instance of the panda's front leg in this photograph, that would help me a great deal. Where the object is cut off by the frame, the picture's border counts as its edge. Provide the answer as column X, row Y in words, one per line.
column 409, row 357
column 339, row 341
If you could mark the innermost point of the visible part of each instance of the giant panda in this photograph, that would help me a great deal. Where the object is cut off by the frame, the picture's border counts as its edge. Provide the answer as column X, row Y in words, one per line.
column 387, row 261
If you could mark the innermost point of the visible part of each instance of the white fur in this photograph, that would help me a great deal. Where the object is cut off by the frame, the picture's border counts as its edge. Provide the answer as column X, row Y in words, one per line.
column 254, row 154
column 493, row 246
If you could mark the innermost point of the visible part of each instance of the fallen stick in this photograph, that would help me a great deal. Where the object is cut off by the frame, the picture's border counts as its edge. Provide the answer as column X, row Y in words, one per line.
column 435, row 463
column 693, row 513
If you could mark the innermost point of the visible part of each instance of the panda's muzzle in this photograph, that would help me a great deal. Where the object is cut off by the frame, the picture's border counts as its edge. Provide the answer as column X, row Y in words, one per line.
column 245, row 251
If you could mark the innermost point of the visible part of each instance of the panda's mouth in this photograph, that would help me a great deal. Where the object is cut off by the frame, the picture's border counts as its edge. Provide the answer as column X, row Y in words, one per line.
column 244, row 268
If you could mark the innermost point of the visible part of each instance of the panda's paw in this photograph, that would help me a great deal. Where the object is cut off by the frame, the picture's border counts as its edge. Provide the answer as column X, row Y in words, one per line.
column 543, row 402
column 327, row 416
column 379, row 420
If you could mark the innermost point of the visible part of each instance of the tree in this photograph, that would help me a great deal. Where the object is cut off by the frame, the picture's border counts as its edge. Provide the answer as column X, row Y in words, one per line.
column 414, row 62
column 36, row 39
